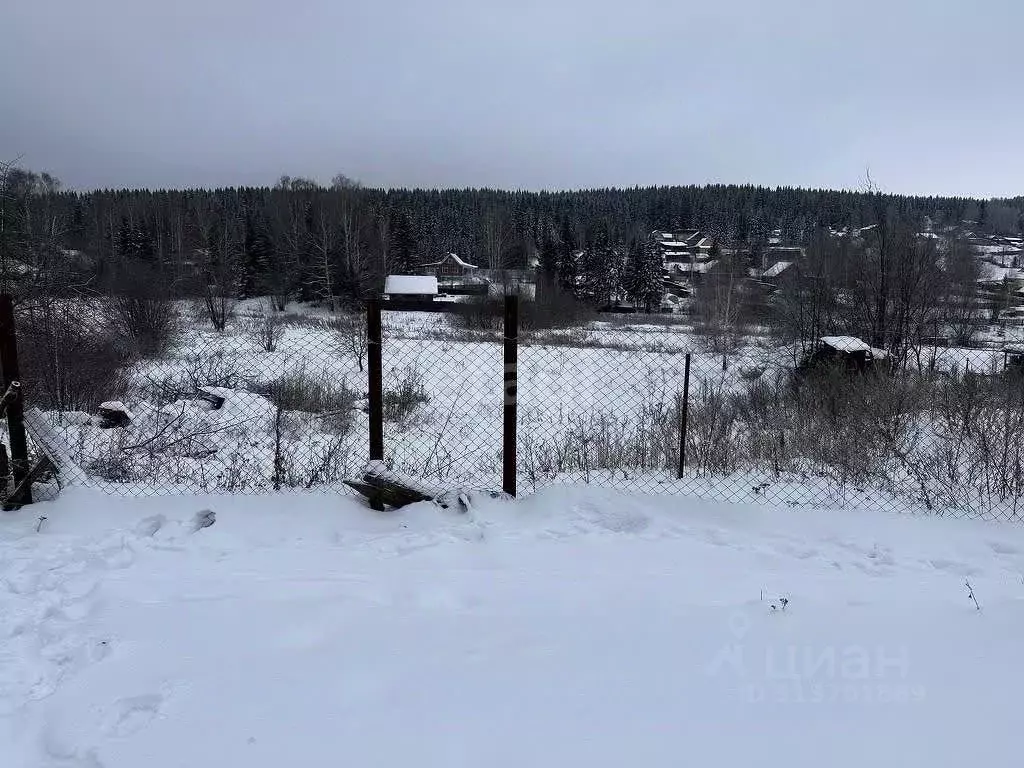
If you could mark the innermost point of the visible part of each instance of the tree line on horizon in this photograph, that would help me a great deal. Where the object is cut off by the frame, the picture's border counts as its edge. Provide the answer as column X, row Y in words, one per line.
column 300, row 240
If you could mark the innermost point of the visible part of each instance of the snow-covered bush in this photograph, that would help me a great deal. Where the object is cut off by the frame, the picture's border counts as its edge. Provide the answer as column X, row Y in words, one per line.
column 139, row 307
column 407, row 394
column 314, row 393
column 71, row 358
column 264, row 331
column 350, row 331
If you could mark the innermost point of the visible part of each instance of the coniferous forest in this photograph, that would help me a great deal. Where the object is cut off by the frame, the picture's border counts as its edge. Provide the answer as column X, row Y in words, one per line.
column 299, row 239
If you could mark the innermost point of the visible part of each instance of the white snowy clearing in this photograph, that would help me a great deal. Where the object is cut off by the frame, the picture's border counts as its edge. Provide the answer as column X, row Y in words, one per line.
column 576, row 627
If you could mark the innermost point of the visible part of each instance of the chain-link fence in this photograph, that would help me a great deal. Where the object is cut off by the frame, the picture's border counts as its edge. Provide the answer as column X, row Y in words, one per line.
column 269, row 400
column 844, row 426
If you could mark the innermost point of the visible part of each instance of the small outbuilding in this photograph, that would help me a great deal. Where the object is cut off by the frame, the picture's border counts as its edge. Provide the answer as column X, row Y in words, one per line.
column 1013, row 358
column 848, row 352
column 411, row 287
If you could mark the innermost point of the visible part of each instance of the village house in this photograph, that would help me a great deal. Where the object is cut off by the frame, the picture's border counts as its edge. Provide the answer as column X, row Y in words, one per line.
column 450, row 268
column 689, row 254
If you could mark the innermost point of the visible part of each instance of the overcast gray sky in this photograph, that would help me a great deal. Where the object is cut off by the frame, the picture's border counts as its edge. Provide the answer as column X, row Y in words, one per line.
column 518, row 93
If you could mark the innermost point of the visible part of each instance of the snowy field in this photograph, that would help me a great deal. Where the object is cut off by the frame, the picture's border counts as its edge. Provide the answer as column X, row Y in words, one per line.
column 566, row 378
column 575, row 627
column 596, row 404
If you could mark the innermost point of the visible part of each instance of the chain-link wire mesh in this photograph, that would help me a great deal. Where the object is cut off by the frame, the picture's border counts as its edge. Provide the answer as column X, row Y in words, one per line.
column 278, row 401
column 443, row 399
column 226, row 398
column 833, row 423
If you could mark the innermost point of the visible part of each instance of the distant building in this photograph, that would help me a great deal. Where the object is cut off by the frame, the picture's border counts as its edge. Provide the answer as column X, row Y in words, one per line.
column 774, row 272
column 686, row 255
column 775, row 254
column 410, row 287
column 688, row 245
column 509, row 282
column 451, row 266
column 847, row 352
column 1012, row 317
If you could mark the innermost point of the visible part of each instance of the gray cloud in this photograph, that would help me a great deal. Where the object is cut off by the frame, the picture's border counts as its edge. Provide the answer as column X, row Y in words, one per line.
column 516, row 94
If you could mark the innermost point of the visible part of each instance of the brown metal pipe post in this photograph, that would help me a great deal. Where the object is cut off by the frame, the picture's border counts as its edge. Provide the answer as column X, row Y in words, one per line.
column 15, row 409
column 5, row 471
column 685, row 414
column 508, row 458
column 375, row 384
column 9, row 396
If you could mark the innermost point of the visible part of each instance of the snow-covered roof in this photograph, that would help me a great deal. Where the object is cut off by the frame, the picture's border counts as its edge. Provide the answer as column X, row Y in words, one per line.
column 690, row 238
column 852, row 344
column 998, row 249
column 451, row 257
column 687, row 255
column 114, row 405
column 777, row 269
column 990, row 273
column 405, row 285
column 685, row 266
column 846, row 343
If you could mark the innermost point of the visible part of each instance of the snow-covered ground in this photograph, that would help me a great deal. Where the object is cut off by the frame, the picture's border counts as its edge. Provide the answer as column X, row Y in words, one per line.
column 576, row 627
column 566, row 377
column 596, row 404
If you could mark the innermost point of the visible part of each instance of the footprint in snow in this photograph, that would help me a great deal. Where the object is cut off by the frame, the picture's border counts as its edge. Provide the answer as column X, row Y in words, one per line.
column 203, row 519
column 1001, row 548
column 149, row 526
column 961, row 569
column 133, row 713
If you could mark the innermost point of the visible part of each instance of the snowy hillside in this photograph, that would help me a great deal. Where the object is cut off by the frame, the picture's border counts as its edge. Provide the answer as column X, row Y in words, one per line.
column 573, row 628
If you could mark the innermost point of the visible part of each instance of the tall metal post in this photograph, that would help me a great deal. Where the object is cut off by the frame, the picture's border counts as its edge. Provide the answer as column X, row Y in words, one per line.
column 15, row 409
column 684, row 416
column 508, row 462
column 375, row 384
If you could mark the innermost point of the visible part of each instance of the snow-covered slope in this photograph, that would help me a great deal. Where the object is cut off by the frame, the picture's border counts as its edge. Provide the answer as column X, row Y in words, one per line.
column 572, row 628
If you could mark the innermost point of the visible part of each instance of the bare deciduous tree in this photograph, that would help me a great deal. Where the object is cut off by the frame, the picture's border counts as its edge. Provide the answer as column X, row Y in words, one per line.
column 720, row 301
column 342, row 181
column 324, row 239
column 495, row 237
column 223, row 269
column 351, row 332
column 264, row 330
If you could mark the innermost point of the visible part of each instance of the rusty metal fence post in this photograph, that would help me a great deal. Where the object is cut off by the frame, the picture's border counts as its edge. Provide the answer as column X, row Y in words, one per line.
column 375, row 384
column 15, row 409
column 511, row 335
column 684, row 416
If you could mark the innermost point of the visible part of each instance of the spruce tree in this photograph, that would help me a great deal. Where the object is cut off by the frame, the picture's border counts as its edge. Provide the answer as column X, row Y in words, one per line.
column 643, row 276
column 404, row 248
column 567, row 267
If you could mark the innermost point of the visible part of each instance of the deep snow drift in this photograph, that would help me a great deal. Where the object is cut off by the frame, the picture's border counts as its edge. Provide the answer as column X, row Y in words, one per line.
column 575, row 627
